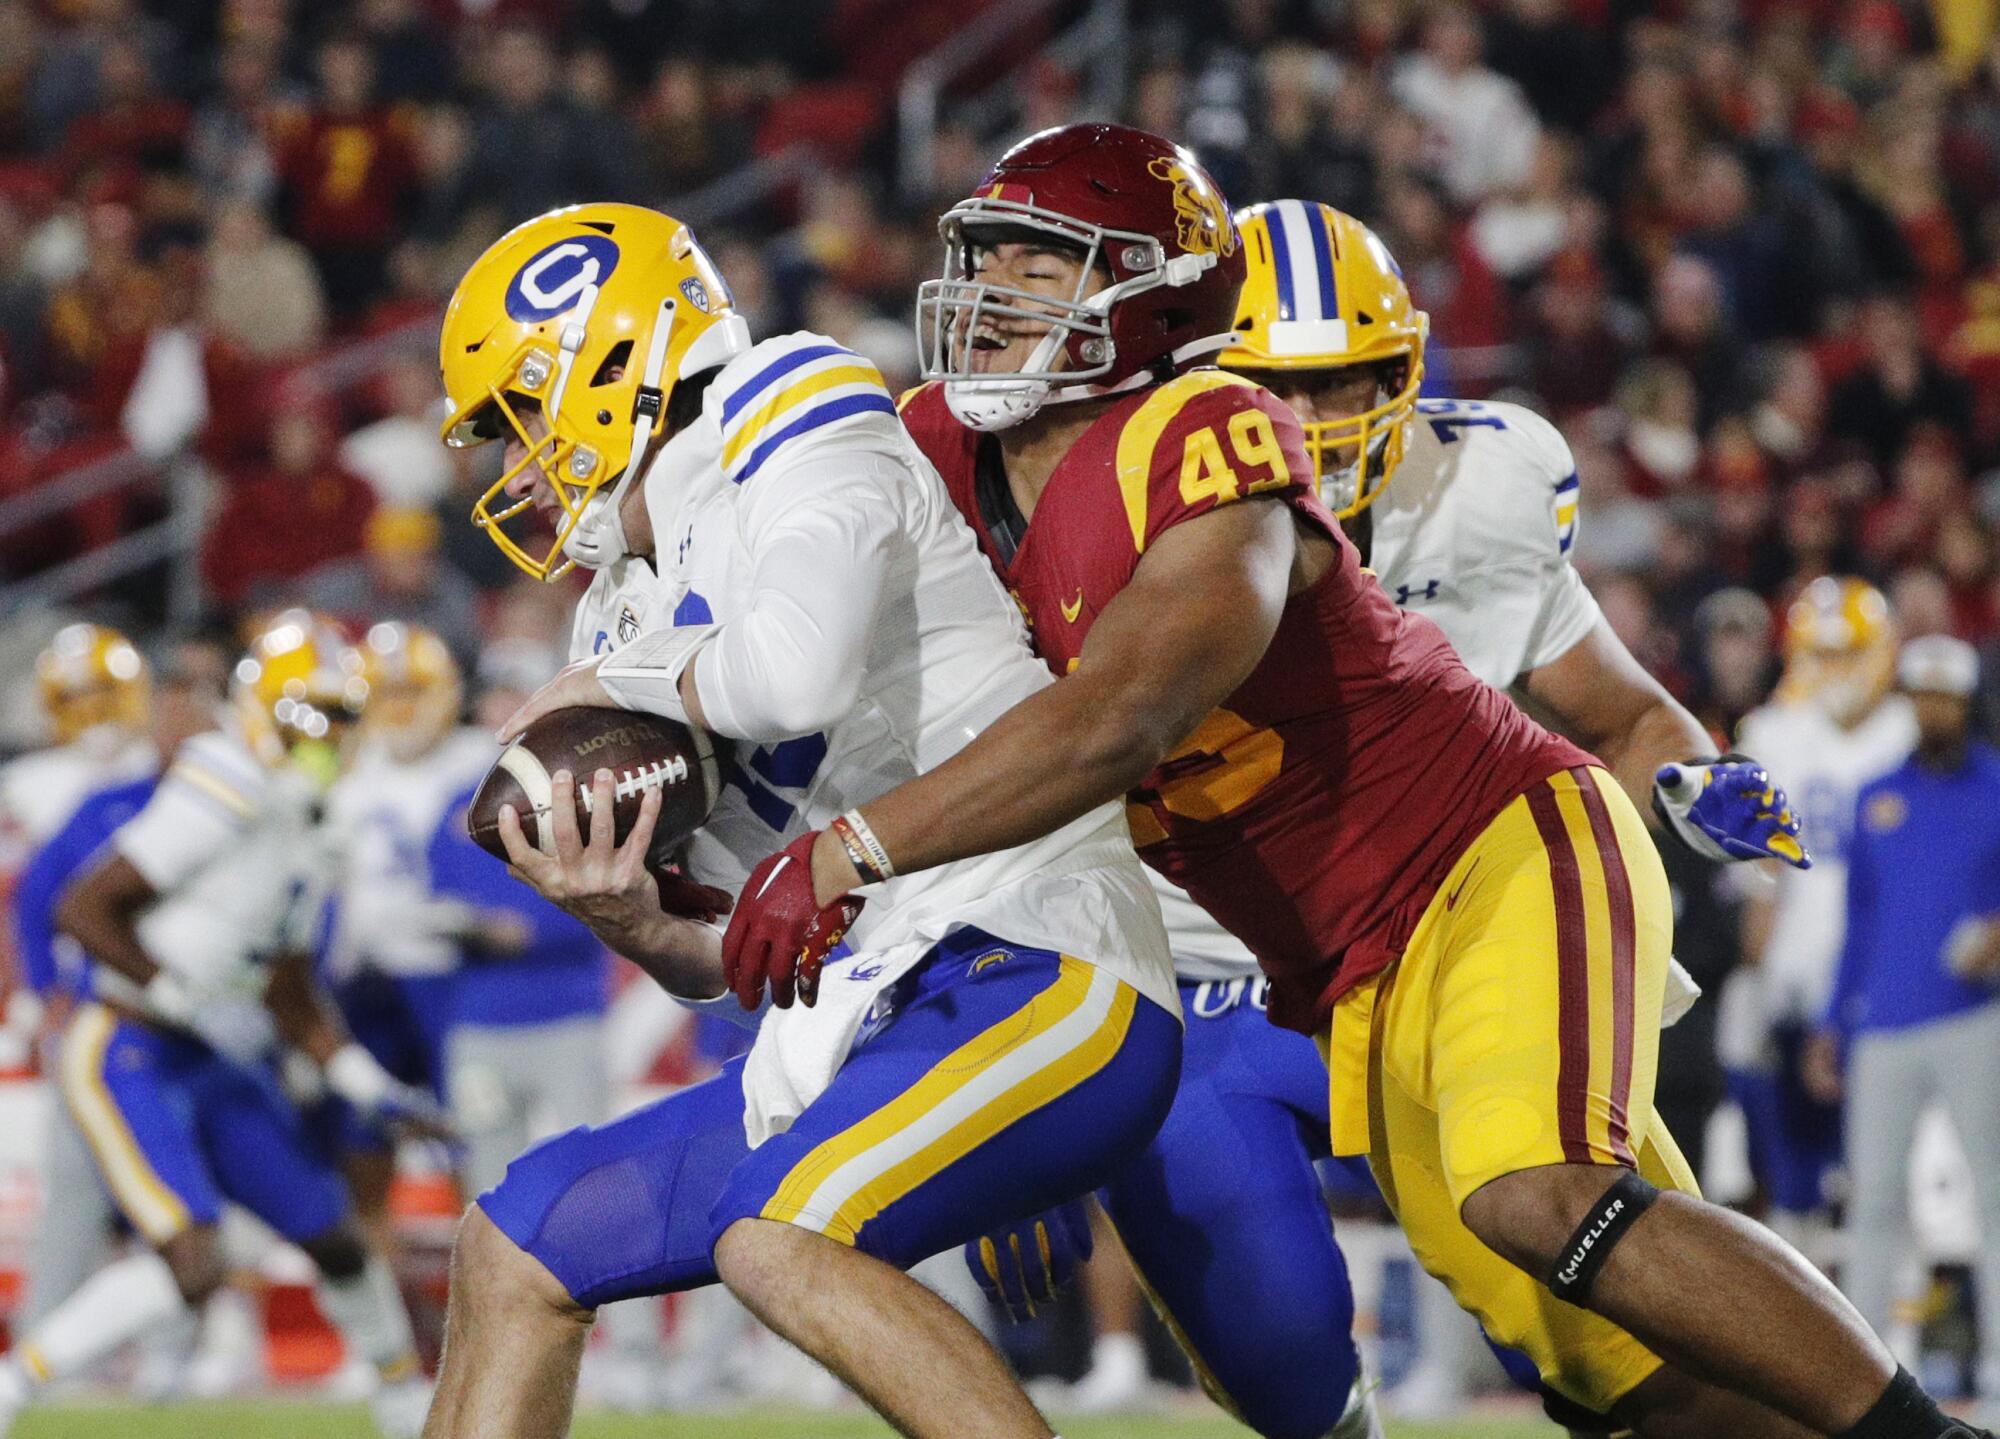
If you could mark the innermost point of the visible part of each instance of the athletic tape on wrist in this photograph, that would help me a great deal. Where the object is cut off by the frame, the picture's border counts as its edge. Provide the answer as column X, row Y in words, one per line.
column 1584, row 1253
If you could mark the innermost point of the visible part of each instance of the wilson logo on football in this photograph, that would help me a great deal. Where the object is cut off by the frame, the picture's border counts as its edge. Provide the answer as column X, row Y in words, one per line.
column 1201, row 215
column 555, row 279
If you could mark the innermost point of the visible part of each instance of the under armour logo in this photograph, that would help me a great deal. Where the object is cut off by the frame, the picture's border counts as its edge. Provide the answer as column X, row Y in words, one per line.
column 1406, row 593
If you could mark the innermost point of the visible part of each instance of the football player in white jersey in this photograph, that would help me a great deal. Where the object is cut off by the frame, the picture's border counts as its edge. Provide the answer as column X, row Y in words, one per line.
column 196, row 920
column 777, row 565
column 94, row 688
column 1837, row 725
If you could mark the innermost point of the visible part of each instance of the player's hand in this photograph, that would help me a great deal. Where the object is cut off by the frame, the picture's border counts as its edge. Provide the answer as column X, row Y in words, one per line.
column 1819, row 1067
column 1729, row 809
column 354, row 1075
column 781, row 934
column 607, row 885
column 576, row 686
column 1033, row 1260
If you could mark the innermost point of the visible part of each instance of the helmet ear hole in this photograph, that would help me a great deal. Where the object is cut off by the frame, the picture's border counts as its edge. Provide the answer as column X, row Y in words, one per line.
column 613, row 367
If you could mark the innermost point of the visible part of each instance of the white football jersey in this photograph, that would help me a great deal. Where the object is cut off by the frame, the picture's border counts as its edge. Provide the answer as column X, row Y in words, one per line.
column 1824, row 768
column 862, row 640
column 383, row 815
column 1473, row 531
column 40, row 791
column 240, row 864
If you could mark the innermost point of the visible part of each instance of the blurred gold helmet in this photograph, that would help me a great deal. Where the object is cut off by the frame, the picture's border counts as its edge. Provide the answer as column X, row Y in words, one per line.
column 1324, row 293
column 92, row 676
column 414, row 688
column 1840, row 648
column 592, row 313
column 299, row 692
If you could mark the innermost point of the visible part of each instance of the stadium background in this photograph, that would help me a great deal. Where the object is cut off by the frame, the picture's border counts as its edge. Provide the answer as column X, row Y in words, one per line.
column 1747, row 255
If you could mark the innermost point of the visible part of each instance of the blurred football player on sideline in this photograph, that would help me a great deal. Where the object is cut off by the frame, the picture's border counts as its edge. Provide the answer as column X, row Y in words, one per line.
column 1000, row 1036
column 196, row 919
column 1465, row 910
column 95, row 693
column 1838, row 726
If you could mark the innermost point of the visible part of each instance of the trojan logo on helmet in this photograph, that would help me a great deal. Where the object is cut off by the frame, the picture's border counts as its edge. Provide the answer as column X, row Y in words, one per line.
column 568, row 336
column 1156, row 284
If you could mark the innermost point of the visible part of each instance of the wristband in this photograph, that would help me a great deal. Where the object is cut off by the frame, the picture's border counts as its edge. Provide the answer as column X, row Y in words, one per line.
column 871, row 860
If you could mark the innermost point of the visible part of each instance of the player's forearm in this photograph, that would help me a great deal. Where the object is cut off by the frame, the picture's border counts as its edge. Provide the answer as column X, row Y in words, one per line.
column 304, row 1018
column 1662, row 733
column 682, row 956
column 98, row 914
column 1052, row 758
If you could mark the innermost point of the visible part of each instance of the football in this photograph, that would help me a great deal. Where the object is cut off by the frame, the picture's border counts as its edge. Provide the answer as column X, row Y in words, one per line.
column 642, row 751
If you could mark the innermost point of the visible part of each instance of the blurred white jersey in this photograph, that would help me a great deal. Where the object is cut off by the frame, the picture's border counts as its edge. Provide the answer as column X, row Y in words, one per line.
column 240, row 865
column 40, row 791
column 861, row 639
column 1473, row 531
column 384, row 815
column 1824, row 768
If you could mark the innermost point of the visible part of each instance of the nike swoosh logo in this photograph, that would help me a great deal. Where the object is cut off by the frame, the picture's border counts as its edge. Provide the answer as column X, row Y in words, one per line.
column 772, row 878
column 1451, row 900
column 1072, row 608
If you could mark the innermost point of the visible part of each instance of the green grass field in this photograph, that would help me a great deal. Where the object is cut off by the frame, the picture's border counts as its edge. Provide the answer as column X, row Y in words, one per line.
column 279, row 1420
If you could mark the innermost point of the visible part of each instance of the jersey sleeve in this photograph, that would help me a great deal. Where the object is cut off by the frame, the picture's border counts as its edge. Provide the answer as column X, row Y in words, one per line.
column 794, row 394
column 1550, row 509
column 1203, row 440
column 206, row 799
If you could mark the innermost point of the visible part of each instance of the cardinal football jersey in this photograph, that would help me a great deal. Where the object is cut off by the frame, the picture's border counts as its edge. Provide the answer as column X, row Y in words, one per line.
column 1314, row 813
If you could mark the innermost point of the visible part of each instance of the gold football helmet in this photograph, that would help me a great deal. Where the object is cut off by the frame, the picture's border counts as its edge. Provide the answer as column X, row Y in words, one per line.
column 589, row 315
column 90, row 677
column 1324, row 293
column 414, row 689
column 299, row 692
column 1840, row 648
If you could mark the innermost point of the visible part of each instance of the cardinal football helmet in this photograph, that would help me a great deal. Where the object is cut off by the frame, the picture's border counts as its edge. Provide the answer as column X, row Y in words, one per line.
column 1153, row 230
column 594, row 313
column 91, row 677
column 1323, row 292
column 1840, row 648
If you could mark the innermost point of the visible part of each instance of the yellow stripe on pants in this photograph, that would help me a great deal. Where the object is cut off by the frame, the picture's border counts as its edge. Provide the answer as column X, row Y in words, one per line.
column 154, row 1209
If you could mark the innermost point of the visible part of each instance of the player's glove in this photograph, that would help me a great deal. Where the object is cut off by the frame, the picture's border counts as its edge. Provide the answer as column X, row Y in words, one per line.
column 1729, row 808
column 356, row 1077
column 1033, row 1260
column 780, row 934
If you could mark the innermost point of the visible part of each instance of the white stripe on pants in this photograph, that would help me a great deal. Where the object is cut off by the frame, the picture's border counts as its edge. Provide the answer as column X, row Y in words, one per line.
column 1892, row 1075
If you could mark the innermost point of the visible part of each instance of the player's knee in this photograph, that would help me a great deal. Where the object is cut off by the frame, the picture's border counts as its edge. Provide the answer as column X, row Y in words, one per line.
column 1559, row 1222
column 339, row 1252
column 195, row 1258
column 758, row 1258
column 491, row 1273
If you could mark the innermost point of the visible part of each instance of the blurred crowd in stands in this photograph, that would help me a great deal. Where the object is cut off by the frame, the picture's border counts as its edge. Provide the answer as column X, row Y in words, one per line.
column 1748, row 255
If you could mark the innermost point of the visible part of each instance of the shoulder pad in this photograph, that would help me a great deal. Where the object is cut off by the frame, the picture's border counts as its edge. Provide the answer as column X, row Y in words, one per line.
column 785, row 388
column 1526, row 472
column 221, row 768
column 1184, row 449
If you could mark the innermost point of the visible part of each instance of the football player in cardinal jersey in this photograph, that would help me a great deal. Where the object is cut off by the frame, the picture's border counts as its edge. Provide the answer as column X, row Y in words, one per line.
column 1465, row 910
column 1838, row 725
column 775, row 563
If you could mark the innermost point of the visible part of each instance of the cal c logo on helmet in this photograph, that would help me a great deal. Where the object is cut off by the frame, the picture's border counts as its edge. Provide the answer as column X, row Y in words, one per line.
column 1200, row 214
column 555, row 279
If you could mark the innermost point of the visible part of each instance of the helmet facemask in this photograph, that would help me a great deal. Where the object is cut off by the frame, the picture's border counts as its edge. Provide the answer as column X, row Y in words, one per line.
column 1076, row 349
column 1372, row 441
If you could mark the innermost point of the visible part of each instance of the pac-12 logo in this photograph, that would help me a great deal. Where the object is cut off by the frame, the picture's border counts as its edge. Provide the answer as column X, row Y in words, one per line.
column 555, row 279
column 696, row 292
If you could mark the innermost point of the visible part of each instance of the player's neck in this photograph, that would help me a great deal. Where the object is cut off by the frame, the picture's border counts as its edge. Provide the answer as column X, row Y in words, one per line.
column 1031, row 450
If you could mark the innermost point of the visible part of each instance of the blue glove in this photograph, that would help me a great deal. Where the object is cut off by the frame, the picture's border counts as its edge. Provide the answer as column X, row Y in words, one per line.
column 1031, row 1259
column 1729, row 809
